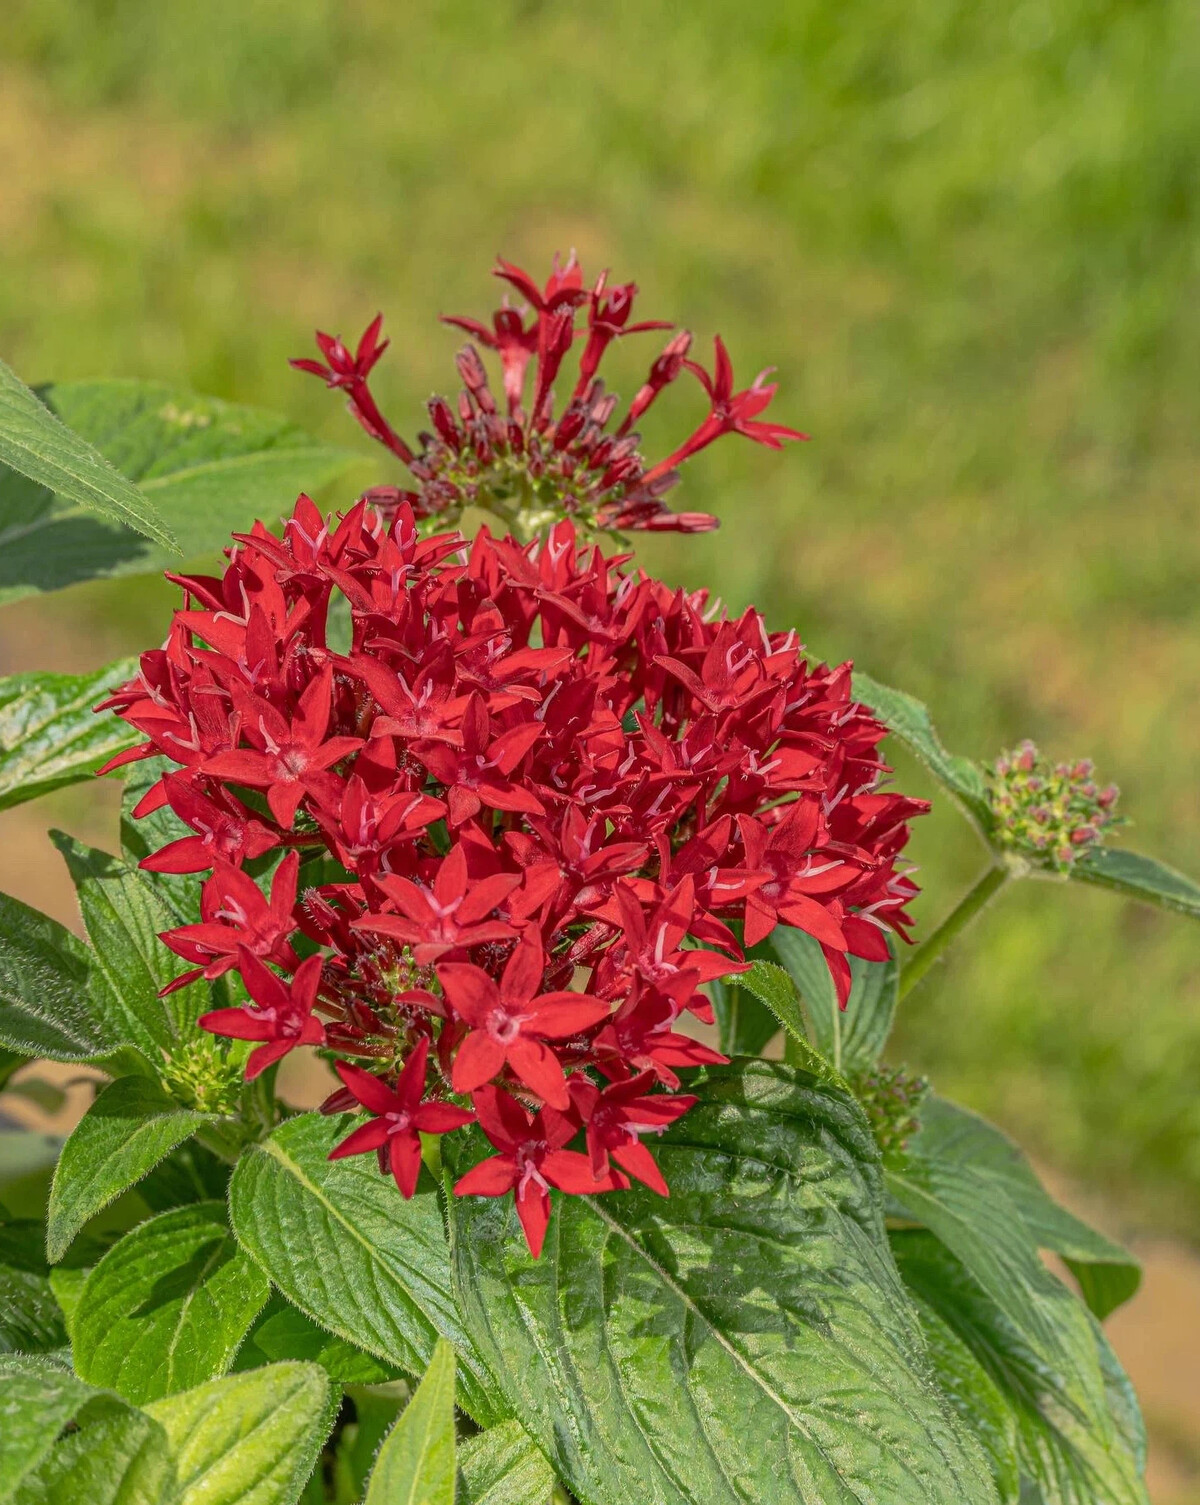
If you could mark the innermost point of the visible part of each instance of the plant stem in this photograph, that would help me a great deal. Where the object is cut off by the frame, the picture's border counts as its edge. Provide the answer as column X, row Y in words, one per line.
column 972, row 902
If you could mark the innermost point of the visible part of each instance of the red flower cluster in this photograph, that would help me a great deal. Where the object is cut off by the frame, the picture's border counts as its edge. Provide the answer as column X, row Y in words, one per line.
column 525, row 464
column 512, row 831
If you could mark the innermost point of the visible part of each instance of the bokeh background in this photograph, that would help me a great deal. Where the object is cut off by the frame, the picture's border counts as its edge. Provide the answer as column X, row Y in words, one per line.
column 966, row 235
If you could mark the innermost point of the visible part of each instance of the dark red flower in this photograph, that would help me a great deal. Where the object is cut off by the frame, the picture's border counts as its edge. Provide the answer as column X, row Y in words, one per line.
column 509, row 1023
column 285, row 755
column 616, row 1117
column 236, row 916
column 529, row 813
column 225, row 831
column 531, row 1160
column 283, row 1018
column 451, row 914
column 530, row 465
column 400, row 1117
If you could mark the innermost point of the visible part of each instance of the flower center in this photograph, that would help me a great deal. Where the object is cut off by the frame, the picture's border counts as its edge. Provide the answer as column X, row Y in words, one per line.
column 503, row 1026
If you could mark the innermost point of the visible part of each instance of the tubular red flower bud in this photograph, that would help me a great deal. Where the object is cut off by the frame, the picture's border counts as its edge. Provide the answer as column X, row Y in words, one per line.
column 537, row 467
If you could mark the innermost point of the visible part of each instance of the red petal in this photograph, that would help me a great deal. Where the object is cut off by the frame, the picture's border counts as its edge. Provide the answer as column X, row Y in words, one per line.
column 490, row 1178
column 639, row 1162
column 534, row 1211
column 405, row 1159
column 367, row 1089
column 471, row 992
column 538, row 1067
column 478, row 1060
column 366, row 1137
column 559, row 1015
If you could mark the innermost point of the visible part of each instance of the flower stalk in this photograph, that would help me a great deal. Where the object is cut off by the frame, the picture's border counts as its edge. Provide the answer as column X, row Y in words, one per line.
column 972, row 903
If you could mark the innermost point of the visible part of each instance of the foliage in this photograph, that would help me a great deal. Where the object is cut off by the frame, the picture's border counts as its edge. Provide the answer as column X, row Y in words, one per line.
column 829, row 1305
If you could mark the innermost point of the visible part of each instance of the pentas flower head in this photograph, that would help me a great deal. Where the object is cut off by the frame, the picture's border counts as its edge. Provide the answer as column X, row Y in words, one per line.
column 492, row 854
column 1049, row 813
column 552, row 446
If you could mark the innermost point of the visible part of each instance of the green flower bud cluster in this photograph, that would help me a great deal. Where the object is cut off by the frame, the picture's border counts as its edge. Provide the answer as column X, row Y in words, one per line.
column 204, row 1074
column 891, row 1098
column 1049, row 813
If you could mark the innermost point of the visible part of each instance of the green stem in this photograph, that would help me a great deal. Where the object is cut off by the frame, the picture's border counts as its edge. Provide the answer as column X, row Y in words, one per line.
column 971, row 903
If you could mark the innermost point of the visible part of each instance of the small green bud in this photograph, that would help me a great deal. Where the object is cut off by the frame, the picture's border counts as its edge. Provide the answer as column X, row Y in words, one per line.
column 203, row 1074
column 1048, row 812
column 891, row 1098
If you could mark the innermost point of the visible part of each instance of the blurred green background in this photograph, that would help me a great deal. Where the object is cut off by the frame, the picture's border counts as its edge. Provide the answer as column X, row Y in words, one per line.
column 966, row 235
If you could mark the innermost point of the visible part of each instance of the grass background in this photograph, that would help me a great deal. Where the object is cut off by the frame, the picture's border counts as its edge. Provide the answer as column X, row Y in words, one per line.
column 966, row 235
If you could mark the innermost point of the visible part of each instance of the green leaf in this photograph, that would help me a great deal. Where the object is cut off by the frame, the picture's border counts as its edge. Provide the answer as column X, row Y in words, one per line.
column 209, row 468
column 37, row 1399
column 118, row 1456
column 745, row 1025
column 124, row 912
column 49, row 734
column 952, row 1136
column 746, row 1339
column 11, row 1062
column 416, row 1463
column 250, row 1439
column 167, row 1306
column 1138, row 877
column 149, row 833
column 287, row 1333
column 977, row 1400
column 344, row 1246
column 31, row 1320
column 189, row 1174
column 36, row 444
column 504, row 1466
column 773, row 988
column 45, row 1007
column 909, row 720
column 851, row 1038
column 130, row 1127
column 974, row 1217
column 1079, row 1436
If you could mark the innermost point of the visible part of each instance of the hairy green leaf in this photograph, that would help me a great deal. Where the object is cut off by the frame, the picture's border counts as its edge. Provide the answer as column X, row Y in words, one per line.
column 249, row 1439
column 130, row 1127
column 416, row 1463
column 124, row 912
column 636, row 1356
column 118, row 1456
column 1138, row 877
column 189, row 1174
column 504, row 1466
column 49, row 734
column 773, row 988
column 45, row 1007
column 989, row 1161
column 31, row 1320
column 37, row 1399
column 167, row 1306
column 208, row 467
column 975, row 1397
column 745, row 1025
column 1079, row 1434
column 11, row 1062
column 36, row 444
column 145, row 834
column 284, row 1332
column 909, row 720
column 344, row 1246
column 850, row 1038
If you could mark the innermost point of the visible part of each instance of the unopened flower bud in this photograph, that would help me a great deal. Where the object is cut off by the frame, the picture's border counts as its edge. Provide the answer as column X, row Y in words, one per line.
column 1049, row 812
